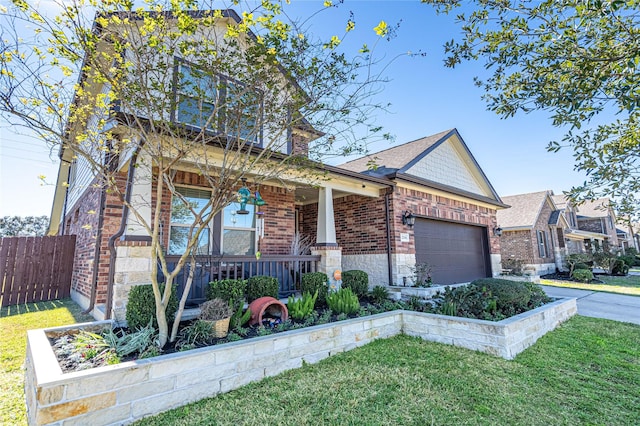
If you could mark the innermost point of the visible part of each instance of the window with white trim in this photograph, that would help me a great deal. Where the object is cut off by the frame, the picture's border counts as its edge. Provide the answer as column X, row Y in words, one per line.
column 182, row 218
column 239, row 231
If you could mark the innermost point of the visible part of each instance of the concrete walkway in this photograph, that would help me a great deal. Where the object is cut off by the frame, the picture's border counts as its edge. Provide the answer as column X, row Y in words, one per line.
column 617, row 307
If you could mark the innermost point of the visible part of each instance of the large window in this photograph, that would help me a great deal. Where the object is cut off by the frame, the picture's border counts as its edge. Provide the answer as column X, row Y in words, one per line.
column 182, row 218
column 238, row 231
column 217, row 103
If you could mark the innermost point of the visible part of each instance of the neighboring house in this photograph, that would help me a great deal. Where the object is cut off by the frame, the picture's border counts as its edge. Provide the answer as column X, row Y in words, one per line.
column 356, row 217
column 598, row 217
column 627, row 236
column 533, row 231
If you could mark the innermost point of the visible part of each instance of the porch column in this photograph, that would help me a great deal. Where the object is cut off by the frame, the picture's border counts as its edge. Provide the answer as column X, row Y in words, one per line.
column 326, row 245
column 141, row 192
column 326, row 232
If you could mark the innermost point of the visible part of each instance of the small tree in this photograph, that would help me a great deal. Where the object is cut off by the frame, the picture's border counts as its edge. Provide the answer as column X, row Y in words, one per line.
column 605, row 257
column 577, row 259
column 218, row 93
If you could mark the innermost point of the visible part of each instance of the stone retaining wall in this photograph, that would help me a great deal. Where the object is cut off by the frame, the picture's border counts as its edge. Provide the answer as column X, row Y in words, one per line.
column 120, row 394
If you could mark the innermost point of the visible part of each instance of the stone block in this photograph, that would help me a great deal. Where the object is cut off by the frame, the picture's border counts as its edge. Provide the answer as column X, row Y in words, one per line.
column 211, row 374
column 99, row 383
column 117, row 415
column 54, row 413
column 263, row 347
column 183, row 363
column 50, row 394
column 233, row 354
column 145, row 389
column 286, row 342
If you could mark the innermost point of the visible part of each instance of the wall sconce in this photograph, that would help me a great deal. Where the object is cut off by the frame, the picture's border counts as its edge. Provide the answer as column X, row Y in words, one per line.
column 408, row 218
column 497, row 231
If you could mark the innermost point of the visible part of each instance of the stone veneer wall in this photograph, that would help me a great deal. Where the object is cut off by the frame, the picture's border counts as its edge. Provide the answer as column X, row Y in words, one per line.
column 120, row 394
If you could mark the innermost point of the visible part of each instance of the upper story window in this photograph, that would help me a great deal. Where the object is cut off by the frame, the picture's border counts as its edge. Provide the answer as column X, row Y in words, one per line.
column 217, row 103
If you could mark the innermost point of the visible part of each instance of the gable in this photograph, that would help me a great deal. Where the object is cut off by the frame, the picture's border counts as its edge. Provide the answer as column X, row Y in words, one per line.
column 450, row 163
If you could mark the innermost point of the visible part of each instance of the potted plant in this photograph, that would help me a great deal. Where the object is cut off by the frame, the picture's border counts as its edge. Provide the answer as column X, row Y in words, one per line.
column 218, row 313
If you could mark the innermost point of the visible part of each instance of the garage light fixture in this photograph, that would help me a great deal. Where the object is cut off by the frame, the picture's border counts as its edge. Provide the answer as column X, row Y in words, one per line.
column 408, row 218
column 497, row 231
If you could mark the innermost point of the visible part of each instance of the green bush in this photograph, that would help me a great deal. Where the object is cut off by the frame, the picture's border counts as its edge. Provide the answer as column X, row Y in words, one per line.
column 469, row 301
column 315, row 281
column 620, row 268
column 232, row 291
column 584, row 275
column 303, row 307
column 141, row 307
column 357, row 281
column 343, row 301
column 260, row 286
column 538, row 296
column 629, row 260
column 379, row 294
column 512, row 297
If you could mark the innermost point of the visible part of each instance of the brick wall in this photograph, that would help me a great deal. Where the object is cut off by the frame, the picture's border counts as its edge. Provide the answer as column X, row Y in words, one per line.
column 518, row 245
column 361, row 224
column 437, row 207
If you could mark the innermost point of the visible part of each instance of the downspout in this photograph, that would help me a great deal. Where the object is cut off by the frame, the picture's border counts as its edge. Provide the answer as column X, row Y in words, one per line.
column 388, row 224
column 66, row 199
column 96, row 254
column 120, row 231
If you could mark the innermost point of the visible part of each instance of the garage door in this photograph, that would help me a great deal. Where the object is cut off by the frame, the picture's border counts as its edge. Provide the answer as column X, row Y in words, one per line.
column 457, row 253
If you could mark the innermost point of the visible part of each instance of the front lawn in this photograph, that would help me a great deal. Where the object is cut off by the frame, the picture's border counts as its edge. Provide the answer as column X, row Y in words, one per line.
column 585, row 372
column 623, row 285
column 14, row 323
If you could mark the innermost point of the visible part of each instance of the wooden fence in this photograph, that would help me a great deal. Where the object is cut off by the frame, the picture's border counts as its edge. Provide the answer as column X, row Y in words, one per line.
column 35, row 269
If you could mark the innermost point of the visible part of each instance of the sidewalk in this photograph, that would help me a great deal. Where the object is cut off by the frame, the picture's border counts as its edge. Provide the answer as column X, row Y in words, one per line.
column 617, row 307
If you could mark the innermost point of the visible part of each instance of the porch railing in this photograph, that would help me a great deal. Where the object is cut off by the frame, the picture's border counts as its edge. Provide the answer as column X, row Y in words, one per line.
column 287, row 269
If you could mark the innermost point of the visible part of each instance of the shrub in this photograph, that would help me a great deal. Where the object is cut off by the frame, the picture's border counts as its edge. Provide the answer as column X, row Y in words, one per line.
column 515, row 265
column 315, row 281
column 469, row 301
column 628, row 259
column 512, row 297
column 260, row 286
column 343, row 301
column 141, row 307
column 303, row 307
column 620, row 268
column 584, row 275
column 197, row 333
column 379, row 294
column 357, row 281
column 231, row 291
column 578, row 261
column 538, row 296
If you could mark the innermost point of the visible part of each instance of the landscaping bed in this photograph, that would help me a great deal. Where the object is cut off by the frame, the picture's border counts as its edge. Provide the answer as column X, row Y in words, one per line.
column 122, row 393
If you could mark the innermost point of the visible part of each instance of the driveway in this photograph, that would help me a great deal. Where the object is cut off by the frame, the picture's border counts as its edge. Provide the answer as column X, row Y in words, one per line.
column 617, row 307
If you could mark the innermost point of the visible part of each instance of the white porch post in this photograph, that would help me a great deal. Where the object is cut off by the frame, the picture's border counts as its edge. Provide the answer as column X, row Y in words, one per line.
column 141, row 191
column 326, row 243
column 326, row 232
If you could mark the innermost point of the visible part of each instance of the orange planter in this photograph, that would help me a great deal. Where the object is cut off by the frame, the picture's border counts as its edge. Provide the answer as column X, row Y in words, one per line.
column 265, row 305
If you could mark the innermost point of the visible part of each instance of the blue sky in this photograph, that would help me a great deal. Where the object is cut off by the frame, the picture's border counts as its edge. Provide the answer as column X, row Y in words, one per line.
column 425, row 97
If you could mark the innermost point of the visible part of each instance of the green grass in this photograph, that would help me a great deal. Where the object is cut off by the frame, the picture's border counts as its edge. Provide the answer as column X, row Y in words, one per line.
column 623, row 285
column 585, row 372
column 14, row 323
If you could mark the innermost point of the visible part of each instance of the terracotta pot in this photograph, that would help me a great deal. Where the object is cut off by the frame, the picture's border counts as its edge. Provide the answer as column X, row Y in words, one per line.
column 259, row 306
